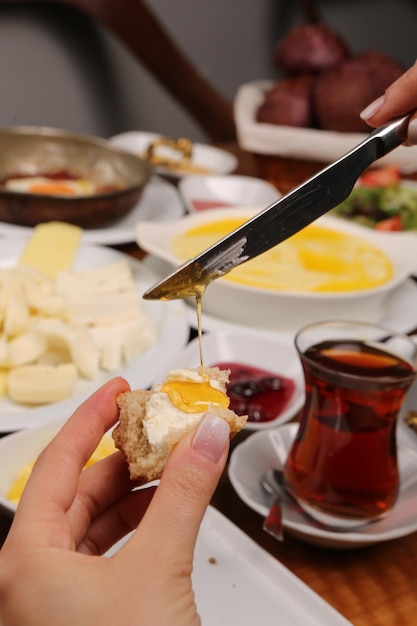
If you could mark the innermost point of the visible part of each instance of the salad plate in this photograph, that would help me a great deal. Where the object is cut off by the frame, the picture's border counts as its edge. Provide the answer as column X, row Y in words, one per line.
column 276, row 355
column 388, row 207
column 269, row 449
column 205, row 160
column 172, row 335
column 160, row 202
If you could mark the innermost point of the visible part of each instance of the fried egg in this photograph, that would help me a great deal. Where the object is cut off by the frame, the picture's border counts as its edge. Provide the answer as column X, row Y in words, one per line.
column 43, row 185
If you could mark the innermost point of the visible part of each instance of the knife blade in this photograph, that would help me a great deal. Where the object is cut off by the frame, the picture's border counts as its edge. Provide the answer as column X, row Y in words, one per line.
column 283, row 218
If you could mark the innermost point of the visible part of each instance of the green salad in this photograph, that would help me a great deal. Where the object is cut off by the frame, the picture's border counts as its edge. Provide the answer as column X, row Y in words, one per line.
column 391, row 207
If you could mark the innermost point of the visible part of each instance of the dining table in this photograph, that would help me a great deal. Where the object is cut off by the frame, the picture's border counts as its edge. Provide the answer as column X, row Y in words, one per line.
column 369, row 586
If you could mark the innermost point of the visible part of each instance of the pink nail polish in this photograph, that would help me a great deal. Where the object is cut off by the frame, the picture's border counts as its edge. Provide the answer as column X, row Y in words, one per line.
column 211, row 438
column 373, row 108
column 412, row 132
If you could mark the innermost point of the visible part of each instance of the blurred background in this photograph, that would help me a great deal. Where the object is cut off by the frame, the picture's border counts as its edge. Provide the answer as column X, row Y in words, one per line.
column 58, row 68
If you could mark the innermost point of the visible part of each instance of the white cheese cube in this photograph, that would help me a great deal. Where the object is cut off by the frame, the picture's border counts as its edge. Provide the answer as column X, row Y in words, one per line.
column 16, row 310
column 26, row 348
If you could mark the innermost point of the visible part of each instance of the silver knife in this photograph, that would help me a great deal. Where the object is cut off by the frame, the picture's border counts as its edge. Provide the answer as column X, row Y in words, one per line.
column 283, row 218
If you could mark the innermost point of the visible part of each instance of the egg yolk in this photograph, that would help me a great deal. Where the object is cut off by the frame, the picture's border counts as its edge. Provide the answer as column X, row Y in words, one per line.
column 60, row 189
column 192, row 397
column 316, row 259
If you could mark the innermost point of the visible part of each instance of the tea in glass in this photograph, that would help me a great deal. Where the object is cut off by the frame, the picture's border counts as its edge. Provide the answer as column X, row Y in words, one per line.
column 342, row 467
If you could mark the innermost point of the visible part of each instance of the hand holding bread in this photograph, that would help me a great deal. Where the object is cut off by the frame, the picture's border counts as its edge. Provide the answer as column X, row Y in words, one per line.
column 67, row 518
column 153, row 421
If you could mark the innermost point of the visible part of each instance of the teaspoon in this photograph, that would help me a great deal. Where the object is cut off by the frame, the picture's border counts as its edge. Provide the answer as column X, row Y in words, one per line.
column 273, row 521
column 272, row 481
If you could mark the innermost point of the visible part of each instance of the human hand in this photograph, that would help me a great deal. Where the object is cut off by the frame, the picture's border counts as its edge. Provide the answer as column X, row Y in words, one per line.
column 399, row 99
column 51, row 568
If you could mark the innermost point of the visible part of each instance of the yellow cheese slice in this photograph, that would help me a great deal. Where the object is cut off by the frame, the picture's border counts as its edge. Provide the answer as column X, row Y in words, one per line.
column 52, row 247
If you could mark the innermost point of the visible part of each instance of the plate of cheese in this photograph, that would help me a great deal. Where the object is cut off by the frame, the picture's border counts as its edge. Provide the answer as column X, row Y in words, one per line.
column 72, row 317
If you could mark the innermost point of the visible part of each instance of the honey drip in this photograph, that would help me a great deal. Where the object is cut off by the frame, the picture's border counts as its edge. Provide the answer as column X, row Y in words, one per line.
column 198, row 303
column 193, row 397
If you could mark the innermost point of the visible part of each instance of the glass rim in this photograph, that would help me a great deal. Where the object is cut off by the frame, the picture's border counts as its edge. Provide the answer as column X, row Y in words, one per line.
column 388, row 331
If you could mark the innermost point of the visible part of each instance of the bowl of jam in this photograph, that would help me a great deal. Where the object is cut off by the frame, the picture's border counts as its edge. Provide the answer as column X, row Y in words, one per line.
column 48, row 174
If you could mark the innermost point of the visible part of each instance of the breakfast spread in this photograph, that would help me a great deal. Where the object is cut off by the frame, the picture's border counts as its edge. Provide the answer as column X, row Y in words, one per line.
column 316, row 259
column 153, row 421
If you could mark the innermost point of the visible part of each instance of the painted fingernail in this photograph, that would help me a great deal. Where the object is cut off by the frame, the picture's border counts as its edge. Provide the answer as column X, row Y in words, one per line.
column 211, row 438
column 412, row 132
column 373, row 108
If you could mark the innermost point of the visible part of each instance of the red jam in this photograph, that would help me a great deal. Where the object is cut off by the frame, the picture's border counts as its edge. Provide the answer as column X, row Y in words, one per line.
column 202, row 205
column 257, row 393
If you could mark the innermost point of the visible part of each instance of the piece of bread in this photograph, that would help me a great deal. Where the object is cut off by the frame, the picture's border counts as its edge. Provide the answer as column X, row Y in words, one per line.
column 147, row 460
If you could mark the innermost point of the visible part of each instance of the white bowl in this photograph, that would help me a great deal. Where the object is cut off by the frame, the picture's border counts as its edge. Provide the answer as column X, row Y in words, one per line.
column 214, row 160
column 286, row 311
column 207, row 192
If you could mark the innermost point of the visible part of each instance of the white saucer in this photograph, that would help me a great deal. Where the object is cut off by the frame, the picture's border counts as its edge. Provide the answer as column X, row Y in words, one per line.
column 206, row 192
column 160, row 202
column 274, row 354
column 216, row 161
column 251, row 458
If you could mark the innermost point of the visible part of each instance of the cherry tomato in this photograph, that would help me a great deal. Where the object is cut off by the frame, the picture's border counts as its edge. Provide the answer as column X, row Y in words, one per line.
column 390, row 224
column 381, row 177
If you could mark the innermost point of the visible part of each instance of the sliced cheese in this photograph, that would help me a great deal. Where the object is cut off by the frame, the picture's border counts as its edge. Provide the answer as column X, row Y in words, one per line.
column 52, row 247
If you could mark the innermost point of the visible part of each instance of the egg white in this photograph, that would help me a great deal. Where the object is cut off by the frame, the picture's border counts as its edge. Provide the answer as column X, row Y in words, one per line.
column 78, row 187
